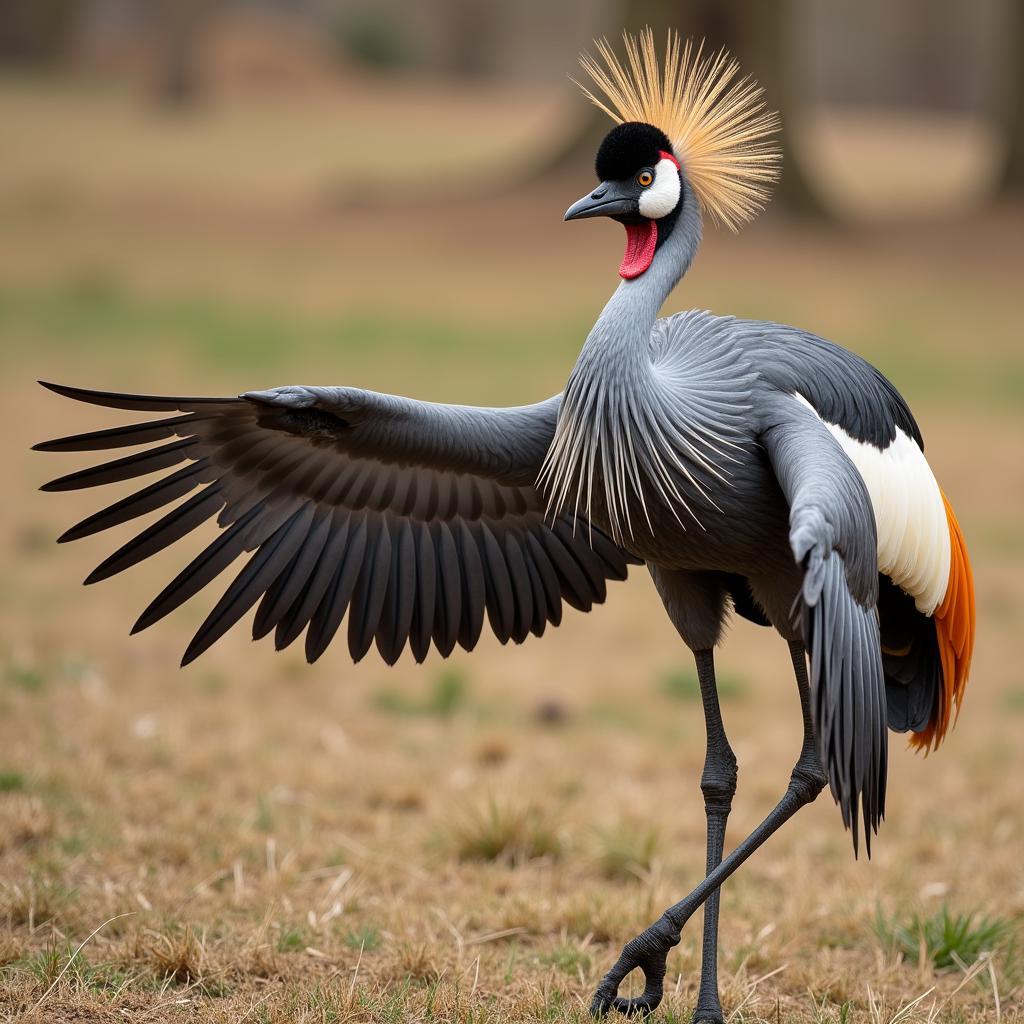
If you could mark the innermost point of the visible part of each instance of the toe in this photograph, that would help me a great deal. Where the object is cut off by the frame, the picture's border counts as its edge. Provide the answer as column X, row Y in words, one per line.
column 638, row 1007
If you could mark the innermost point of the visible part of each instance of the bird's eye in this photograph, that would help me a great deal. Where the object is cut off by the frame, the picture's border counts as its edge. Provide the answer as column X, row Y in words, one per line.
column 645, row 178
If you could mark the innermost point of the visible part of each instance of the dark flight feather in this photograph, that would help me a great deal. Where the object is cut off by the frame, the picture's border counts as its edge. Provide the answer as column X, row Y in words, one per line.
column 150, row 498
column 371, row 589
column 325, row 604
column 126, row 468
column 172, row 527
column 400, row 598
column 421, row 627
column 574, row 586
column 203, row 569
column 448, row 608
column 541, row 611
column 548, row 576
column 497, row 583
column 474, row 589
column 259, row 573
column 136, row 403
column 521, row 589
column 285, row 590
column 119, row 437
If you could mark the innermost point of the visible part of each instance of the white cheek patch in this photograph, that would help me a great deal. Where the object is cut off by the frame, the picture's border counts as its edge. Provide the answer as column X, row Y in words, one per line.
column 660, row 199
column 910, row 515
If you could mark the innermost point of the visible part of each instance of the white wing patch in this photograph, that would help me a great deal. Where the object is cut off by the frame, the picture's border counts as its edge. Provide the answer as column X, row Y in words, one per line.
column 910, row 515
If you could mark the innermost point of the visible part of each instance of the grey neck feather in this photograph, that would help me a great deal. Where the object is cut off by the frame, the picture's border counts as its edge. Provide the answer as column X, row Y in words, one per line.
column 623, row 423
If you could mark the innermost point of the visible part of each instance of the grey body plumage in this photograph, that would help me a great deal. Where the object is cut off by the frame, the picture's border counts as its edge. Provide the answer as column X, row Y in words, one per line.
column 683, row 440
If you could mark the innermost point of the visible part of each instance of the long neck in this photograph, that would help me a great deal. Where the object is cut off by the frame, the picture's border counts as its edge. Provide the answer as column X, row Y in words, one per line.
column 611, row 388
column 619, row 343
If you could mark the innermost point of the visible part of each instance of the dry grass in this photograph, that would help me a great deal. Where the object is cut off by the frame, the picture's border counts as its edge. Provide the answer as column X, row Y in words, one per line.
column 505, row 832
column 255, row 840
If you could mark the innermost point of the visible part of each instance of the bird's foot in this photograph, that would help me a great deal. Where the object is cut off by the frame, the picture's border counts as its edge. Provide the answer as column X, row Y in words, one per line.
column 648, row 951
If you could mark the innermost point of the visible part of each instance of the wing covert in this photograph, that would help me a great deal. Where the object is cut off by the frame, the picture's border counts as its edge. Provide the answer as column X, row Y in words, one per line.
column 832, row 534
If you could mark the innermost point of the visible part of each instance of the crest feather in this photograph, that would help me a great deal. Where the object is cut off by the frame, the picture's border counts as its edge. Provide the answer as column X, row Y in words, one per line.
column 719, row 125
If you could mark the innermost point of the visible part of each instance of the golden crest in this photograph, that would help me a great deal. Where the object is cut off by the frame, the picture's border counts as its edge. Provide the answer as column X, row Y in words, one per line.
column 719, row 125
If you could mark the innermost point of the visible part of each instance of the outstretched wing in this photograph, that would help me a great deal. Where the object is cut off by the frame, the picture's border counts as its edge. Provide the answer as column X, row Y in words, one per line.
column 832, row 533
column 416, row 520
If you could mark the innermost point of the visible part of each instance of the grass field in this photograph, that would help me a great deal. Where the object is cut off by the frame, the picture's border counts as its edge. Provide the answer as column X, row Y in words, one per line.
column 252, row 839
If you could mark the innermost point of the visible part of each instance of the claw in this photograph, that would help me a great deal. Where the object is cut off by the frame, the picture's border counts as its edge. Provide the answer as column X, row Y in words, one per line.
column 649, row 952
column 638, row 1007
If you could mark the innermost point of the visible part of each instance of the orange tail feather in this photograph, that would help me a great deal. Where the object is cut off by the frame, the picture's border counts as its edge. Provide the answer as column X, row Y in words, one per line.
column 954, row 630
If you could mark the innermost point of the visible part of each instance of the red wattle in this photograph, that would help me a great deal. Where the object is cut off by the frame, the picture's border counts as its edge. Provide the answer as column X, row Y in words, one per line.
column 641, row 241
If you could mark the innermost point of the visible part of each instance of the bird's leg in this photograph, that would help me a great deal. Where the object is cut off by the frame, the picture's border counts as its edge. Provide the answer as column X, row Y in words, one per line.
column 649, row 950
column 718, row 784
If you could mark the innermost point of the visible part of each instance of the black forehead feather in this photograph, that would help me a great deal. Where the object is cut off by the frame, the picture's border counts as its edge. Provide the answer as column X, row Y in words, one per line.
column 627, row 148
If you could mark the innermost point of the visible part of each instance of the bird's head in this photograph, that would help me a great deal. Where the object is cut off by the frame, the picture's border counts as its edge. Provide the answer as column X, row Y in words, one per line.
column 641, row 186
column 686, row 131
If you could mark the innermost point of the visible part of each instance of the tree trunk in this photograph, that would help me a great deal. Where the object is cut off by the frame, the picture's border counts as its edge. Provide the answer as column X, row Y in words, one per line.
column 180, row 24
column 766, row 51
column 36, row 31
column 1012, row 177
column 473, row 30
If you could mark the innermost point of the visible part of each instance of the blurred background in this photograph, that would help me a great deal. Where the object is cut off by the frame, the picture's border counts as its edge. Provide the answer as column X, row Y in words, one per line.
column 209, row 196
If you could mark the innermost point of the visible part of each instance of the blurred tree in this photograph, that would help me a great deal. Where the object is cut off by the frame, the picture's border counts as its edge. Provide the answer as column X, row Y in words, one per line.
column 764, row 42
column 474, row 27
column 36, row 31
column 1013, row 167
column 371, row 38
column 180, row 24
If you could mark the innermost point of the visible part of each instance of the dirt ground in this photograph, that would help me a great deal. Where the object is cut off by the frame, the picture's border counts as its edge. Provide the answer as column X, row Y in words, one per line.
column 253, row 839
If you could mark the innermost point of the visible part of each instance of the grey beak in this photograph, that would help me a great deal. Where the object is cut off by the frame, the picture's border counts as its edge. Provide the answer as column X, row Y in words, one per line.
column 609, row 199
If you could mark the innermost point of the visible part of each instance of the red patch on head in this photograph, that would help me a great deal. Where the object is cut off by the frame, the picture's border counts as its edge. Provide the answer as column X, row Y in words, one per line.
column 668, row 156
column 641, row 240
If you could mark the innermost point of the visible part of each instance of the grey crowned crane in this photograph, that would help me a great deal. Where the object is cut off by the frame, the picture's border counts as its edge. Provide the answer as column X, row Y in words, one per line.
column 751, row 466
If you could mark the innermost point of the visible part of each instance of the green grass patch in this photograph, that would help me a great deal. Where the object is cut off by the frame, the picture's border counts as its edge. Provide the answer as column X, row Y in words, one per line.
column 826, row 1012
column 618, row 716
column 264, row 820
column 36, row 676
column 449, row 692
column 72, row 968
column 116, row 324
column 11, row 782
column 40, row 900
column 503, row 831
column 569, row 959
column 946, row 939
column 683, row 685
column 1013, row 699
column 366, row 938
column 293, row 940
column 25, row 677
column 625, row 851
column 95, row 309
column 72, row 845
